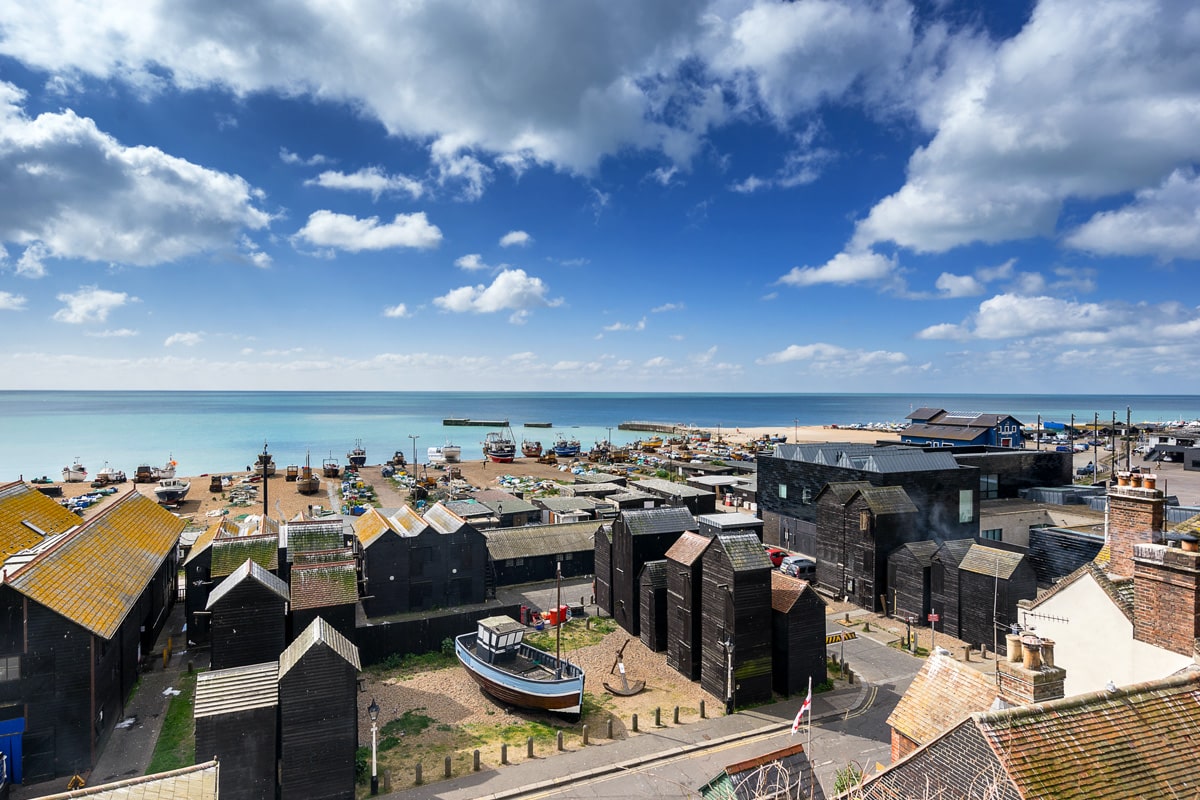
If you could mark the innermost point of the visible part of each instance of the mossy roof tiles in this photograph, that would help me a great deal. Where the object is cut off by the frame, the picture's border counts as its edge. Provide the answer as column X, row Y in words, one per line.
column 22, row 506
column 222, row 529
column 745, row 551
column 323, row 585
column 229, row 554
column 786, row 590
column 96, row 574
column 990, row 561
column 888, row 500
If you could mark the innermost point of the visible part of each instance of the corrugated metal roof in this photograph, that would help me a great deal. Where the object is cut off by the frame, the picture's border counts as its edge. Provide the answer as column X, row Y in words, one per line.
column 323, row 585
column 248, row 571
column 229, row 554
column 197, row 782
column 1138, row 741
column 468, row 509
column 22, row 506
column 654, row 574
column 745, row 551
column 786, row 590
column 96, row 574
column 567, row 503
column 319, row 634
column 869, row 458
column 541, row 540
column 990, row 561
column 888, row 500
column 226, row 691
column 670, row 488
column 667, row 519
column 733, row 519
column 508, row 505
column 943, row 695
column 688, row 548
column 952, row 432
column 442, row 519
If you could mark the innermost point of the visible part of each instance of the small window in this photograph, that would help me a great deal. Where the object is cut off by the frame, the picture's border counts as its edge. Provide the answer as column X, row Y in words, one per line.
column 966, row 505
column 864, row 521
column 10, row 668
column 783, row 491
column 989, row 486
column 995, row 534
column 805, row 496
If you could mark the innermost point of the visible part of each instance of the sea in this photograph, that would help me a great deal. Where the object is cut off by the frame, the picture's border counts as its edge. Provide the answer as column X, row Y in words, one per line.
column 206, row 432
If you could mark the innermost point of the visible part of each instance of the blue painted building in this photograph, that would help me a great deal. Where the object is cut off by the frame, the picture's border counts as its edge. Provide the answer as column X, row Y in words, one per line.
column 937, row 427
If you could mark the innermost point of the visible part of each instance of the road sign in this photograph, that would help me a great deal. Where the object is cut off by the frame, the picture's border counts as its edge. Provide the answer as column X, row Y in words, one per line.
column 844, row 636
column 934, row 617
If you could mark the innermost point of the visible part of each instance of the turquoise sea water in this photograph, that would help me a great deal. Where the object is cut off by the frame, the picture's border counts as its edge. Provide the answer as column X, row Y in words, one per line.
column 40, row 432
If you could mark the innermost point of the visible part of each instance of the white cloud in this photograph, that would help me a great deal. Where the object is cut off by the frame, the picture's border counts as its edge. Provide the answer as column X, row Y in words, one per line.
column 369, row 179
column 657, row 362
column 346, row 232
column 831, row 358
column 516, row 239
column 116, row 333
column 30, row 264
column 749, row 185
column 288, row 157
column 663, row 175
column 640, row 325
column 187, row 339
column 844, row 268
column 667, row 307
column 512, row 290
column 12, row 302
column 90, row 304
column 944, row 330
column 1011, row 316
column 802, row 165
column 472, row 262
column 1163, row 222
column 73, row 191
column 958, row 285
column 398, row 311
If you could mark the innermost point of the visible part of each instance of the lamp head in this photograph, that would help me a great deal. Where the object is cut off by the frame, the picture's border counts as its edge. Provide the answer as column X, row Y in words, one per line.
column 373, row 710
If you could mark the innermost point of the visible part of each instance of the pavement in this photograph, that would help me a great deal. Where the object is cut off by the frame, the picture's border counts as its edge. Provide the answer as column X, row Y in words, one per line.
column 639, row 751
column 129, row 748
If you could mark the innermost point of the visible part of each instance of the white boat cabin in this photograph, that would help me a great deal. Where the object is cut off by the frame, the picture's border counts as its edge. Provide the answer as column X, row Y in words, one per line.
column 498, row 639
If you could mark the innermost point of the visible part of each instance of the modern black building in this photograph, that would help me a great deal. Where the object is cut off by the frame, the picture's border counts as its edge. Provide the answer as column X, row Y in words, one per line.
column 735, row 661
column 640, row 536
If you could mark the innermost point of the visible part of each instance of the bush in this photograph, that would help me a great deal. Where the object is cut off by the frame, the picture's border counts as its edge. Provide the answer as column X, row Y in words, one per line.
column 448, row 647
column 847, row 779
column 362, row 764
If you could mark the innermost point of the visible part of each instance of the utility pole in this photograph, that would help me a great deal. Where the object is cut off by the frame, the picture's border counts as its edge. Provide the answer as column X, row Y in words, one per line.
column 795, row 430
column 414, row 437
column 1128, row 423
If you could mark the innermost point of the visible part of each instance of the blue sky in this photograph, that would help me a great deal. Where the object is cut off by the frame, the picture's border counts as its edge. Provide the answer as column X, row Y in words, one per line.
column 601, row 195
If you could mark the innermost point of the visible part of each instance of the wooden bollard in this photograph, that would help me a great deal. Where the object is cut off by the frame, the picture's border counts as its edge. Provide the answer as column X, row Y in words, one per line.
column 448, row 767
column 610, row 728
column 634, row 727
column 702, row 714
column 966, row 652
column 529, row 747
column 560, row 741
column 387, row 781
column 418, row 771
column 676, row 715
column 585, row 739
column 504, row 752
column 983, row 651
column 658, row 717
column 475, row 764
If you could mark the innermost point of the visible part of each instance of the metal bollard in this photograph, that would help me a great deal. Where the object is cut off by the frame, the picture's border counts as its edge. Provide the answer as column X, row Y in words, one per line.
column 504, row 753
column 529, row 747
column 676, row 715
column 634, row 728
column 658, row 717
column 702, row 714
column 610, row 723
column 418, row 771
column 476, row 762
column 448, row 768
column 585, row 738
column 560, row 741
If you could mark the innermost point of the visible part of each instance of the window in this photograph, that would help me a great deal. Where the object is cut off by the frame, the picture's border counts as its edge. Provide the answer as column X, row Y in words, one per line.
column 989, row 486
column 783, row 491
column 10, row 668
column 995, row 534
column 805, row 496
column 864, row 521
column 966, row 505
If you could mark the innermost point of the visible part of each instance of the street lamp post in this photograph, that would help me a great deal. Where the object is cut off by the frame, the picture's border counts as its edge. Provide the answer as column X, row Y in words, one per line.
column 414, row 437
column 373, row 710
column 730, row 702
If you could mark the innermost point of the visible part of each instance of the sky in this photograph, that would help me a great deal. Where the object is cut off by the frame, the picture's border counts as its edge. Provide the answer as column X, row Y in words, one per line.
column 601, row 195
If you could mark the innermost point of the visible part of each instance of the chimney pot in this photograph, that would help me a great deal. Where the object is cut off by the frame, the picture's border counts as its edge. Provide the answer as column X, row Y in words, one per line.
column 1031, row 650
column 1048, row 652
column 1012, row 645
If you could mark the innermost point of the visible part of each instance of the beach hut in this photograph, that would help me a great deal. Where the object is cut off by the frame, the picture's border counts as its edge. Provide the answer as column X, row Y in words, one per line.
column 248, row 613
column 684, row 580
column 236, row 716
column 798, row 635
column 652, row 586
column 736, row 629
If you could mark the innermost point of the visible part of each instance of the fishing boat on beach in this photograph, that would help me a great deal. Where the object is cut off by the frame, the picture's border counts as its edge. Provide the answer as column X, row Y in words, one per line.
column 171, row 490
column 76, row 473
column 330, row 468
column 531, row 449
column 264, row 464
column 357, row 456
column 499, row 447
column 109, row 475
column 498, row 659
column 452, row 453
column 307, row 483
column 566, row 448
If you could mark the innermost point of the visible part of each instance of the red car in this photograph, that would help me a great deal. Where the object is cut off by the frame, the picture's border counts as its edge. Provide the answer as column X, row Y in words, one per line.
column 775, row 554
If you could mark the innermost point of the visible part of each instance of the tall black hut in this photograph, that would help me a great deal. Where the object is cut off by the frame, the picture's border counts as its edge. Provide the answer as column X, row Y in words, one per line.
column 639, row 536
column 248, row 613
column 325, row 590
column 736, row 631
column 943, row 584
column 990, row 584
column 798, row 634
column 684, row 571
column 236, row 714
column 602, row 583
column 909, row 569
column 652, row 586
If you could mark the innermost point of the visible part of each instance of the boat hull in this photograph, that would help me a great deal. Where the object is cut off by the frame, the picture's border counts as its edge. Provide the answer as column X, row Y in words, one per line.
column 564, row 696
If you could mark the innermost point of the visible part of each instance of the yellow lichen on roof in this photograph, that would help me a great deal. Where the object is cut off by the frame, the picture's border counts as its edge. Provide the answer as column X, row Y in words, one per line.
column 370, row 526
column 96, row 574
column 22, row 506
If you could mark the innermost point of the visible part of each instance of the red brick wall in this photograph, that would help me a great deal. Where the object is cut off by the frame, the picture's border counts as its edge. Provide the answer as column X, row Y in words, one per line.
column 901, row 745
column 1134, row 515
column 1167, row 599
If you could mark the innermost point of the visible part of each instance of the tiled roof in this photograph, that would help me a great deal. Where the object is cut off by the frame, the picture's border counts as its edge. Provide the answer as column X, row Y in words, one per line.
column 1136, row 742
column 953, row 551
column 225, row 691
column 990, row 561
column 921, row 551
column 541, row 540
column 688, row 548
column 670, row 488
column 944, row 694
column 786, row 590
column 745, row 551
column 197, row 782
column 323, row 585
column 222, row 529
column 782, row 773
column 668, row 519
column 842, row 491
column 313, row 535
column 248, row 571
column 318, row 634
column 229, row 554
column 22, row 506
column 96, row 574
column 324, row 557
column 654, row 574
column 1190, row 525
column 888, row 500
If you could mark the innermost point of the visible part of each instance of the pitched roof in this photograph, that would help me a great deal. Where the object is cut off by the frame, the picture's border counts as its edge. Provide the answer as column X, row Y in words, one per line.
column 24, row 511
column 248, row 571
column 318, row 634
column 957, row 433
column 1138, row 741
column 786, row 590
column 953, row 551
column 943, row 694
column 923, row 551
column 224, row 691
column 94, row 575
column 323, row 585
column 925, row 412
column 782, row 773
column 1189, row 525
column 990, row 561
column 842, row 491
column 370, row 526
column 667, row 519
column 867, row 457
column 745, row 551
column 887, row 500
column 442, row 519
column 654, row 574
column 222, row 528
column 541, row 540
column 314, row 534
column 689, row 547
column 197, row 782
column 229, row 554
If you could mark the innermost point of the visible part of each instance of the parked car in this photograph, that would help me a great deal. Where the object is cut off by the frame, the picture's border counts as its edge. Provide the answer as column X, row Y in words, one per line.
column 799, row 567
column 775, row 554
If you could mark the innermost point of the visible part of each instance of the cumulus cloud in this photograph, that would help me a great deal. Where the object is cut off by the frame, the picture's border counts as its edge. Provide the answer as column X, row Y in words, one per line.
column 288, row 157
column 958, row 285
column 471, row 262
column 640, row 325
column 1010, row 316
column 943, row 330
column 186, row 338
column 844, row 268
column 346, row 232
column 663, row 175
column 89, row 304
column 74, row 191
column 1162, row 222
column 398, row 311
column 516, row 239
column 512, row 290
column 30, row 264
column 12, row 302
column 369, row 179
column 115, row 333
column 825, row 357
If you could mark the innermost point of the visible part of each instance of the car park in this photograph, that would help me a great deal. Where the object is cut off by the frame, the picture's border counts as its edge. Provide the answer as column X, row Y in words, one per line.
column 775, row 554
column 799, row 567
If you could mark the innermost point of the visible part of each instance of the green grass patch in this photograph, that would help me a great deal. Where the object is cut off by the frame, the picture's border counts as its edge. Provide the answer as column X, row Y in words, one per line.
column 405, row 667
column 176, row 746
column 576, row 633
column 410, row 723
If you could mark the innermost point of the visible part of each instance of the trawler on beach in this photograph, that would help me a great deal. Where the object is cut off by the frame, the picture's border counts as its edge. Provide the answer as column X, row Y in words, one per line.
column 499, row 447
column 76, row 473
column 171, row 490
column 357, row 456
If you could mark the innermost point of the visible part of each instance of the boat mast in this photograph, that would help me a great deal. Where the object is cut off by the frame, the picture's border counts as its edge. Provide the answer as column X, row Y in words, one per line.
column 558, row 613
column 265, row 458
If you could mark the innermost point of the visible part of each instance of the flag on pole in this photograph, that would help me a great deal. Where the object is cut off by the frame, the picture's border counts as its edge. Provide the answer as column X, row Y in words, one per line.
column 806, row 707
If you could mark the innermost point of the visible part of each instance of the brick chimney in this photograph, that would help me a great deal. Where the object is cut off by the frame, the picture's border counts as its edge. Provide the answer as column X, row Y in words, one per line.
column 1166, row 597
column 1135, row 516
column 1029, row 674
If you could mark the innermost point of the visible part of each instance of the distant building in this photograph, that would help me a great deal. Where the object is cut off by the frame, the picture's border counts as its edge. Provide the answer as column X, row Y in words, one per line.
column 940, row 428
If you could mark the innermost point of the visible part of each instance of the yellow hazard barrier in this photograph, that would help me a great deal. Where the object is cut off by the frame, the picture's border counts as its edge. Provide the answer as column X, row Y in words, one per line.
column 844, row 636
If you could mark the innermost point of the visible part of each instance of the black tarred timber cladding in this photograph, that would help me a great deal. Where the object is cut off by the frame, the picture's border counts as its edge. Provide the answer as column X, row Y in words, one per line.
column 909, row 569
column 248, row 625
column 798, row 641
column 684, row 584
column 245, row 743
column 603, row 586
column 386, row 567
column 737, row 606
column 652, row 586
column 639, row 536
